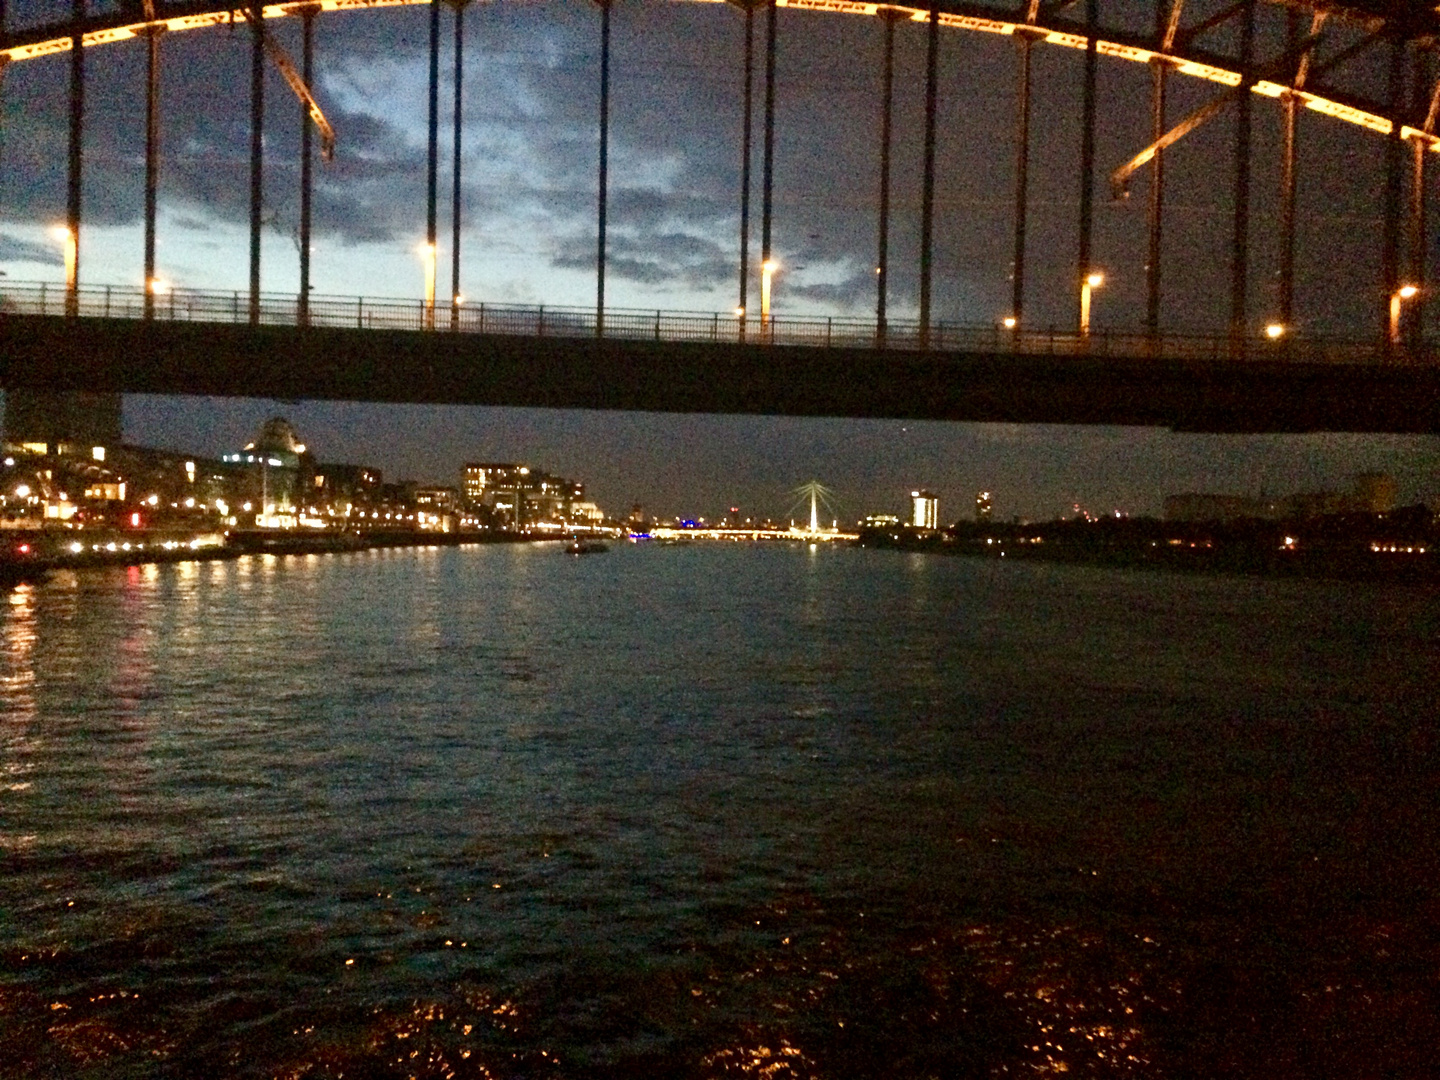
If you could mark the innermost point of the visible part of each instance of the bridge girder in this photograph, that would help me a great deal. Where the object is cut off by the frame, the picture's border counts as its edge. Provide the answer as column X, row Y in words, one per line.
column 1379, row 16
column 406, row 366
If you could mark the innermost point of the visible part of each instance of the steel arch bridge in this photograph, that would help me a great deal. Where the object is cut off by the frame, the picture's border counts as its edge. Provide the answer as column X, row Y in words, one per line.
column 1320, row 40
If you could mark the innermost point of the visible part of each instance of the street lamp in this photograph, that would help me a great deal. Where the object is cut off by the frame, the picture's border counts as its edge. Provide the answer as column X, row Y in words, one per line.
column 767, row 273
column 1010, row 322
column 1275, row 331
column 1092, row 282
column 1405, row 292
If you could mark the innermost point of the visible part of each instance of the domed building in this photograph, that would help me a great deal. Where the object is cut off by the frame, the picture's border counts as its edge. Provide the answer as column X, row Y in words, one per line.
column 278, row 469
column 278, row 435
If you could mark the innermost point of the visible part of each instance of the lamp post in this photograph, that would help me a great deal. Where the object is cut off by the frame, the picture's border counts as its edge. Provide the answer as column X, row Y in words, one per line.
column 1397, row 300
column 1092, row 282
column 767, row 274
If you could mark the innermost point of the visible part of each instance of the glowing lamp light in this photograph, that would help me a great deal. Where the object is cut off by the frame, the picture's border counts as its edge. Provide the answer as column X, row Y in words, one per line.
column 1011, row 322
column 23, row 491
column 739, row 313
column 72, row 263
column 159, row 287
column 1275, row 331
column 767, row 273
column 427, row 252
column 1405, row 292
column 135, row 520
column 1092, row 281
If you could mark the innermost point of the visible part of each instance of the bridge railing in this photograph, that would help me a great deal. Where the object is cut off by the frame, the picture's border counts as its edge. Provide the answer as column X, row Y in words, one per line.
column 540, row 320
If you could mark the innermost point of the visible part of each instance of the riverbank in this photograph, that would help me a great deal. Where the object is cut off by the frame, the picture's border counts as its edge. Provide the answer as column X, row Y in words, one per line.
column 29, row 556
column 1403, row 546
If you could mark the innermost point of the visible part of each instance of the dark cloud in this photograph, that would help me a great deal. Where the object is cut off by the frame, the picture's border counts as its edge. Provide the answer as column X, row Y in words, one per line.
column 856, row 292
column 14, row 249
column 663, row 259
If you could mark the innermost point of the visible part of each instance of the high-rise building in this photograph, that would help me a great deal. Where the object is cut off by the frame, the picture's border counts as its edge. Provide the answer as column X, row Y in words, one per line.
column 483, row 478
column 982, row 506
column 924, row 509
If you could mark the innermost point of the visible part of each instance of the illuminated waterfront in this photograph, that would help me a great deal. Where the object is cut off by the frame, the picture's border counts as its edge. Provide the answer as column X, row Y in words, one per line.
column 721, row 810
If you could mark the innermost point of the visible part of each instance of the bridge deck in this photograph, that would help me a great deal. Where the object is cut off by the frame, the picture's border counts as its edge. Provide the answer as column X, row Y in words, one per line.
column 976, row 383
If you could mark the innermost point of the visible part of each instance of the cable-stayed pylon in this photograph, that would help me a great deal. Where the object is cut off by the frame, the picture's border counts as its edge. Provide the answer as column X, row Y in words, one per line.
column 817, row 494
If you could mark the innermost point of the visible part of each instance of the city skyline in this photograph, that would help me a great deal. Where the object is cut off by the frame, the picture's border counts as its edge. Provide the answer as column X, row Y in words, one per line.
column 700, row 465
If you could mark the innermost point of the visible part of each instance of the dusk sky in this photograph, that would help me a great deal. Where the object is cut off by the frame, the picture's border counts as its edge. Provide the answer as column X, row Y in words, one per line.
column 529, row 210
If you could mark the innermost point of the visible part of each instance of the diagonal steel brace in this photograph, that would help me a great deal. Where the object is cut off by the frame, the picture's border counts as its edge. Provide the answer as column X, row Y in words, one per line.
column 282, row 60
column 1120, row 178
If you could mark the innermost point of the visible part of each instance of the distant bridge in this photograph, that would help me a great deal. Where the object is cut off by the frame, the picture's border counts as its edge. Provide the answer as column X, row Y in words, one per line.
column 360, row 349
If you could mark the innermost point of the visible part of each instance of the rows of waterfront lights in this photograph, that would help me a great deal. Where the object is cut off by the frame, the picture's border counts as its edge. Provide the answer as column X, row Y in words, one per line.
column 123, row 489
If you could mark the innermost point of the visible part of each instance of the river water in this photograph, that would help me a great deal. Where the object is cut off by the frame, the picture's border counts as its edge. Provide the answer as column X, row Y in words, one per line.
column 705, row 811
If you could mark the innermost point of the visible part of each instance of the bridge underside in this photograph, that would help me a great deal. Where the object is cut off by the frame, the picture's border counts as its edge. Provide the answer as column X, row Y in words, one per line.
column 100, row 355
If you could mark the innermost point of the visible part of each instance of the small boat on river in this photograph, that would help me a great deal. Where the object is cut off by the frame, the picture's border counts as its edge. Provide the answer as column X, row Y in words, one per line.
column 580, row 546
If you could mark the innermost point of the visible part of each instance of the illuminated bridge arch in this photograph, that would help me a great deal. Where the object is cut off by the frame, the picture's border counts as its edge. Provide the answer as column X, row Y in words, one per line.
column 1292, row 78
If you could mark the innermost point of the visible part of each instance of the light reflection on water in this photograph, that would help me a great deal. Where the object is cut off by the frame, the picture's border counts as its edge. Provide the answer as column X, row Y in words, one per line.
column 713, row 812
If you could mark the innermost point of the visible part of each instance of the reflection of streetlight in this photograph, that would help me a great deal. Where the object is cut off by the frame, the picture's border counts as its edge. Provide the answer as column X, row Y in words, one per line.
column 767, row 272
column 427, row 252
column 1406, row 292
column 1092, row 282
